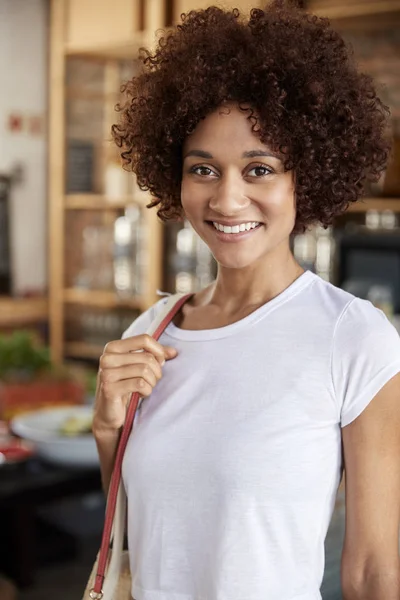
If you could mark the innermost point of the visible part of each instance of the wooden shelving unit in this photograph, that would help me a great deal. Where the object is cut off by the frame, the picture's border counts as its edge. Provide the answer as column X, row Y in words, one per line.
column 17, row 312
column 100, row 202
column 114, row 31
column 101, row 299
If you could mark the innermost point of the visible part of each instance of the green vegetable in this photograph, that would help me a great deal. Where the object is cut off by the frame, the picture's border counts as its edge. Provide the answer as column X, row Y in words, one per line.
column 21, row 357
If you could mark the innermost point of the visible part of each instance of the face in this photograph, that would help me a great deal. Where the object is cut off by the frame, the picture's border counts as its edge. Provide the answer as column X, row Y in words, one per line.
column 235, row 192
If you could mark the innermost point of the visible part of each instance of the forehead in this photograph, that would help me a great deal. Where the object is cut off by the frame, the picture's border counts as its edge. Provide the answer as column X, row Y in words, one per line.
column 227, row 125
column 227, row 134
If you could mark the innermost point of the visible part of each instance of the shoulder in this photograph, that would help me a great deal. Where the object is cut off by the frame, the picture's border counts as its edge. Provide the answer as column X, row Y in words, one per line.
column 363, row 332
column 348, row 312
column 330, row 298
column 142, row 323
column 361, row 321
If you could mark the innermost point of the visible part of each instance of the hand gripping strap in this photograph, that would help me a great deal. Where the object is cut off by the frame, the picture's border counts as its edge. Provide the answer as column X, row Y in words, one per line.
column 114, row 524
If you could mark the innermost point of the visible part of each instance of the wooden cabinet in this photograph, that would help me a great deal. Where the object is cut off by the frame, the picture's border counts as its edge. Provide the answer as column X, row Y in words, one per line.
column 92, row 50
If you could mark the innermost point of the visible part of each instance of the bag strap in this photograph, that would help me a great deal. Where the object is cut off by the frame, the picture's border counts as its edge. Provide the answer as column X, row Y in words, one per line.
column 162, row 320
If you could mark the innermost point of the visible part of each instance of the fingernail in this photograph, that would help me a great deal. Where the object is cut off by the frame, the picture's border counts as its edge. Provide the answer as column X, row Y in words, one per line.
column 163, row 363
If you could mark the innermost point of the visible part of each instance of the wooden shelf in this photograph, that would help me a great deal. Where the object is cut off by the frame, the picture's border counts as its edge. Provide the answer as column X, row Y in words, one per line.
column 125, row 49
column 20, row 311
column 375, row 204
column 83, row 350
column 100, row 202
column 100, row 299
column 350, row 9
column 79, row 93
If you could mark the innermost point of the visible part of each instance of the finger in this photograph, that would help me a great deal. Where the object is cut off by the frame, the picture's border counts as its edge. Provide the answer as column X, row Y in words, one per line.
column 110, row 361
column 126, row 386
column 138, row 343
column 129, row 372
column 170, row 352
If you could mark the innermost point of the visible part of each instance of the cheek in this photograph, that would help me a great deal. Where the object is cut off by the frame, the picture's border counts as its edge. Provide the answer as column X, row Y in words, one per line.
column 191, row 198
column 281, row 203
column 285, row 195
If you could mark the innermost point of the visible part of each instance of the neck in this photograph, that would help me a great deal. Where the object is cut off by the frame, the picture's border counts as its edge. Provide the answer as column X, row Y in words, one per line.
column 235, row 289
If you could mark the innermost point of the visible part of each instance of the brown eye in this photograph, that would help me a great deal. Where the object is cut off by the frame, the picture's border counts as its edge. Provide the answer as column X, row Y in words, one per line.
column 260, row 171
column 200, row 170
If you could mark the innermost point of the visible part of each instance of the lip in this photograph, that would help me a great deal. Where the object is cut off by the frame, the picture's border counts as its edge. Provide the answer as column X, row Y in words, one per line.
column 232, row 223
column 234, row 237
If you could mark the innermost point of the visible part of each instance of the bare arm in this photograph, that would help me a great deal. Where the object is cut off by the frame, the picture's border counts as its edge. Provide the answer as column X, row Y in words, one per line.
column 370, row 559
column 126, row 366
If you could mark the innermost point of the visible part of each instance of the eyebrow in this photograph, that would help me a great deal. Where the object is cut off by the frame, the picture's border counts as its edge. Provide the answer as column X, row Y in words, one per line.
column 249, row 154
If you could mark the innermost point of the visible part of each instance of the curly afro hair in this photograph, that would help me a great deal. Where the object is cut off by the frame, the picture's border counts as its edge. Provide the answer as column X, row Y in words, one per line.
column 308, row 103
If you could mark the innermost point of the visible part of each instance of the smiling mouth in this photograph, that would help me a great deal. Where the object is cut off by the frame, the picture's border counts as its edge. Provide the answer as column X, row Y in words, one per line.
column 240, row 228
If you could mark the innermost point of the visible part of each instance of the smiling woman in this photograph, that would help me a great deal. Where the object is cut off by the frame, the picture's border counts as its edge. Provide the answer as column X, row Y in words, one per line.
column 252, row 128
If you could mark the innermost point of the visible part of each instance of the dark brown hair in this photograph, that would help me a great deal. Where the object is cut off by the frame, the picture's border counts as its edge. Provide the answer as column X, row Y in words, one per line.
column 309, row 102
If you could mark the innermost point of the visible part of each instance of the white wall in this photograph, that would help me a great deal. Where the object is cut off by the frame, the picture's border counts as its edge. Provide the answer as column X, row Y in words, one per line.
column 23, row 91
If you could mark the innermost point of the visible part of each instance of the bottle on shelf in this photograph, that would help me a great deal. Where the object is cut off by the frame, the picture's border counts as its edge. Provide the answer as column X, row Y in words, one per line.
column 97, row 327
column 305, row 249
column 97, row 267
column 325, row 251
column 314, row 250
column 130, row 257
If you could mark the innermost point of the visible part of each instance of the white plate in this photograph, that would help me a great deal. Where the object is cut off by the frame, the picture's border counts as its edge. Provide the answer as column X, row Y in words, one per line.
column 42, row 428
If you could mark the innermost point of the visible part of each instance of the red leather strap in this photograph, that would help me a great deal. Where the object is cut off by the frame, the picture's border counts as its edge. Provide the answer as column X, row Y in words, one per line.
column 116, row 475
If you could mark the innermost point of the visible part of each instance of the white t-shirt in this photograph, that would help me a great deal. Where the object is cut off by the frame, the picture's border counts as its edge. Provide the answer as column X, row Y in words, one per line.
column 234, row 461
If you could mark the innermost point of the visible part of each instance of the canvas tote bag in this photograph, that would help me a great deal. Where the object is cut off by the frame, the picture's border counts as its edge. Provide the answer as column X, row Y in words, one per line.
column 110, row 578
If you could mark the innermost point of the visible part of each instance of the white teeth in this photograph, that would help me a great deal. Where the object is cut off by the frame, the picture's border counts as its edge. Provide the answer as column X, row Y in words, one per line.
column 235, row 228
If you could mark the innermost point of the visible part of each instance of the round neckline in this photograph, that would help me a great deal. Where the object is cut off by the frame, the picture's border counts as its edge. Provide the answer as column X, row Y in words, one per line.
column 220, row 332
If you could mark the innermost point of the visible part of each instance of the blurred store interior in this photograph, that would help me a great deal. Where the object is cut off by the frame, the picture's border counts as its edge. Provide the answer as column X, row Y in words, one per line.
column 81, row 256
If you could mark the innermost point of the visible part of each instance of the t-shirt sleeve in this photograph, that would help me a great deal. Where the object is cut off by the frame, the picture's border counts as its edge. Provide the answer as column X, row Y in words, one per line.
column 142, row 323
column 365, row 356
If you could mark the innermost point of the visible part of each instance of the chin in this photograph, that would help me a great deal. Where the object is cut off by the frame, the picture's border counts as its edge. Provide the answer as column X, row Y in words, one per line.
column 236, row 261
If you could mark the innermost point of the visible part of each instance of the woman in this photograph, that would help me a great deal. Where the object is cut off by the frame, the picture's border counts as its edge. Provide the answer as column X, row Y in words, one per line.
column 252, row 129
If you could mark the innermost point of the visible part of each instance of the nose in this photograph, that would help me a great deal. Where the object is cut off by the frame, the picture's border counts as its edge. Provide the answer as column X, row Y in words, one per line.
column 228, row 197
